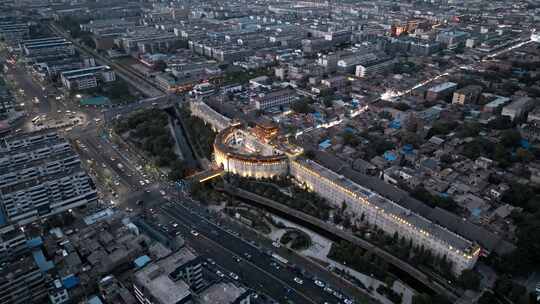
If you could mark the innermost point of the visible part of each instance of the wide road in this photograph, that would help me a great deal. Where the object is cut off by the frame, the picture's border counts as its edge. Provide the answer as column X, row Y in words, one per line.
column 143, row 85
column 260, row 267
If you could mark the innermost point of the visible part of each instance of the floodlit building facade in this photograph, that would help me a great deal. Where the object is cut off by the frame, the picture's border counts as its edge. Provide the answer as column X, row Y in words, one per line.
column 386, row 214
column 241, row 153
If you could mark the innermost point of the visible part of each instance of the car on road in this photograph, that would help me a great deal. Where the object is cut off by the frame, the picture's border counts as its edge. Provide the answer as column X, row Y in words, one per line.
column 194, row 233
column 328, row 290
column 247, row 255
column 234, row 276
column 298, row 280
column 141, row 183
column 337, row 294
column 319, row 283
column 237, row 259
column 348, row 301
column 220, row 274
column 211, row 261
column 276, row 244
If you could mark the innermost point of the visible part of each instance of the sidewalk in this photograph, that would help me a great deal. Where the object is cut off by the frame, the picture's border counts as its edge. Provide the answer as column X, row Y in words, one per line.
column 319, row 251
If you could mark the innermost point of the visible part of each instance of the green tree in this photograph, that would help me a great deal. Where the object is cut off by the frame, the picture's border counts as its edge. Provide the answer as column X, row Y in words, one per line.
column 510, row 138
column 160, row 65
column 469, row 279
column 302, row 106
column 487, row 298
column 422, row 298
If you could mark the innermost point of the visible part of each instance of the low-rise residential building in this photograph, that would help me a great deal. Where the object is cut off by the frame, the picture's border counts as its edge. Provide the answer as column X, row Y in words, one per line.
column 165, row 281
column 87, row 78
column 374, row 68
column 13, row 32
column 44, row 48
column 440, row 91
column 466, row 95
column 518, row 108
column 274, row 99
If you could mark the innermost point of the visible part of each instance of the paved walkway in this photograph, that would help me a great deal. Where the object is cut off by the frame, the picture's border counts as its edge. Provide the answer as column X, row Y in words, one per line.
column 319, row 251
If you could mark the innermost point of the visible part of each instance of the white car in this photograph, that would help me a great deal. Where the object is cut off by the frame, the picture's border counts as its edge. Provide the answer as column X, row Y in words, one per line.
column 319, row 283
column 276, row 244
column 234, row 276
column 298, row 280
column 194, row 233
column 220, row 274
column 141, row 182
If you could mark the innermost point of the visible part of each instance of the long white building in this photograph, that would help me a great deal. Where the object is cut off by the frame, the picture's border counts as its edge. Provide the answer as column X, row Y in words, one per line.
column 385, row 214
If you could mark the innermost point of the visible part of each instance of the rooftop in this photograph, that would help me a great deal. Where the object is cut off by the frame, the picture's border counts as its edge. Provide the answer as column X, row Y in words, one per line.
column 442, row 87
column 156, row 279
column 223, row 293
column 452, row 222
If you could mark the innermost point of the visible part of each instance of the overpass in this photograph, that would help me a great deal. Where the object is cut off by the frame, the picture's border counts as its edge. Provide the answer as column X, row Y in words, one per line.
column 439, row 287
column 142, row 84
column 159, row 102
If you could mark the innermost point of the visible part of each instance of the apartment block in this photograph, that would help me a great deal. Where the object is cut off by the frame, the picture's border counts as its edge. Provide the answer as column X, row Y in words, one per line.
column 87, row 78
column 374, row 68
column 40, row 175
column 47, row 48
column 274, row 99
column 13, row 33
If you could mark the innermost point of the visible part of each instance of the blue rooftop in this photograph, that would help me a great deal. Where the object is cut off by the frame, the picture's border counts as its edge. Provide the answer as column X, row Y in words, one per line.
column 2, row 218
column 395, row 124
column 389, row 156
column 70, row 281
column 141, row 261
column 94, row 300
column 35, row 242
column 41, row 262
column 476, row 212
column 325, row 144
